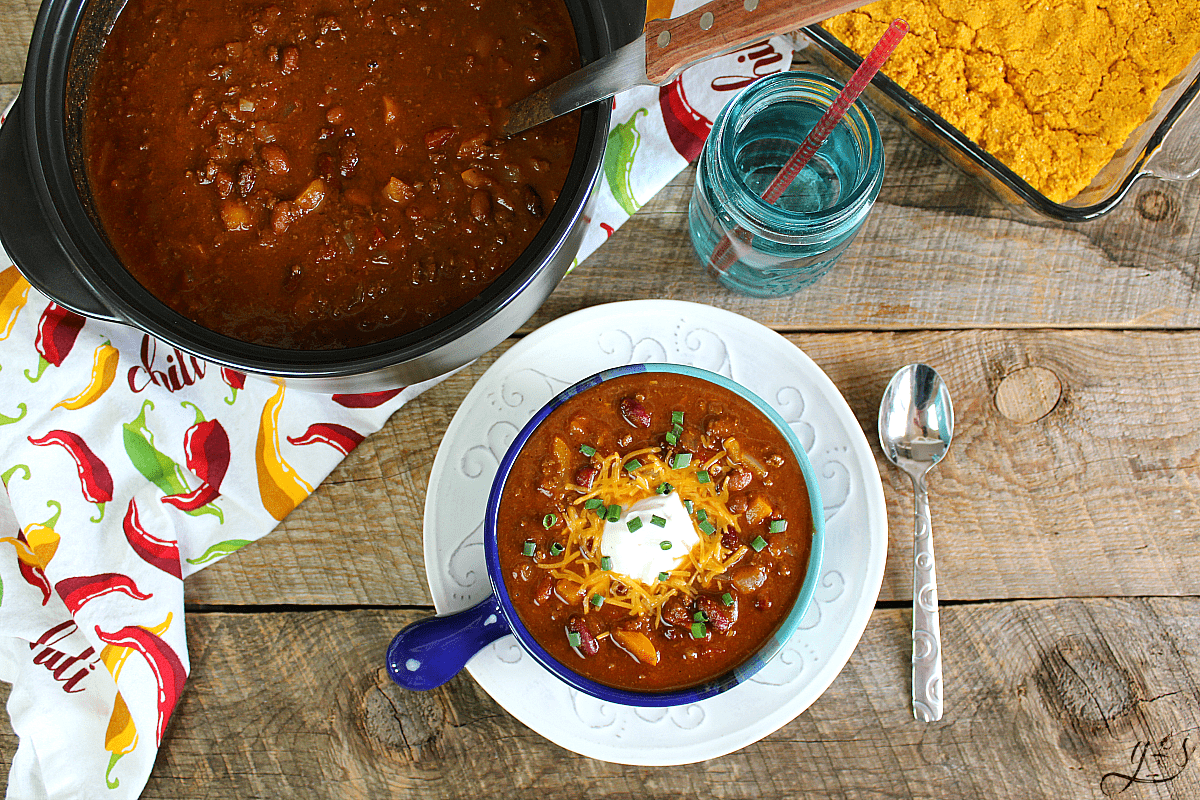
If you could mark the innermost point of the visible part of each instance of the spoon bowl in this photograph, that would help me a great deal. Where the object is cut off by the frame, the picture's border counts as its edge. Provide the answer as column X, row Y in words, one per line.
column 916, row 425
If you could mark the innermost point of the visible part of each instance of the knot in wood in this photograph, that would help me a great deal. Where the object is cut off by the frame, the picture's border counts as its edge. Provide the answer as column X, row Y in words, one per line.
column 1081, row 681
column 400, row 719
column 1028, row 394
column 1155, row 206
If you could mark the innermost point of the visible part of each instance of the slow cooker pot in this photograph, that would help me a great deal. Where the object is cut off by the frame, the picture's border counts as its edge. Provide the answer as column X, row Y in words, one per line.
column 48, row 228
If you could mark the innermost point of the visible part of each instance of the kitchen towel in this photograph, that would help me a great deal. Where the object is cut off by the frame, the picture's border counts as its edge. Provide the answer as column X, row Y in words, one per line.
column 130, row 465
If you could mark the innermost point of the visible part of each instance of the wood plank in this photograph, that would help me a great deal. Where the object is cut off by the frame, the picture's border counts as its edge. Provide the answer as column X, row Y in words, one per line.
column 1045, row 699
column 16, row 26
column 1107, row 473
column 918, row 264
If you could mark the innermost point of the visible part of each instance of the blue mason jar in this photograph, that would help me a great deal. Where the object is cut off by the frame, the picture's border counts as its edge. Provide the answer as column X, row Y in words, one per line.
column 767, row 250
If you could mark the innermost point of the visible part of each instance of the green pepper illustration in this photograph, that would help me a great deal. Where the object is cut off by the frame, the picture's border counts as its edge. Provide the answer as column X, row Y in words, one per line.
column 156, row 466
column 7, row 420
column 8, row 473
column 219, row 549
column 623, row 143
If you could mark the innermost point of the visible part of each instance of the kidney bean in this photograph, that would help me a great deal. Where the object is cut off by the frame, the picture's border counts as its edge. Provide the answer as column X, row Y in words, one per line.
column 678, row 612
column 438, row 137
column 720, row 616
column 335, row 114
column 289, row 60
column 739, row 479
column 586, row 476
column 276, row 159
column 282, row 216
column 481, row 205
column 246, row 175
column 224, row 182
column 545, row 590
column 634, row 412
column 476, row 178
column 348, row 157
column 729, row 540
column 587, row 642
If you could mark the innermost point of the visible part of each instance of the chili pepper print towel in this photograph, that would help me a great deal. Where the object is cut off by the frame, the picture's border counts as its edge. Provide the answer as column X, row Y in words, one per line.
column 657, row 131
column 128, row 466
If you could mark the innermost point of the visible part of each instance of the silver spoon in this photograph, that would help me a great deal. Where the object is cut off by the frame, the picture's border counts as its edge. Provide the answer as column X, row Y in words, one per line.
column 916, row 423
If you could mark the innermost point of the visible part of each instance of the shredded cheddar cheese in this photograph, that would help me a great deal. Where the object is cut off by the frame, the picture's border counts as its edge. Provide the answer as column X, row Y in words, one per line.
column 579, row 572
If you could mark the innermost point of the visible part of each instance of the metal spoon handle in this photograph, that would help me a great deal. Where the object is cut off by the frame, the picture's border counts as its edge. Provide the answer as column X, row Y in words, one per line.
column 926, row 633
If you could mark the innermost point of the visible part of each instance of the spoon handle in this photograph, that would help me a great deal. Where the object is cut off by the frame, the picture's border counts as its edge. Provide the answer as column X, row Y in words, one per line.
column 926, row 633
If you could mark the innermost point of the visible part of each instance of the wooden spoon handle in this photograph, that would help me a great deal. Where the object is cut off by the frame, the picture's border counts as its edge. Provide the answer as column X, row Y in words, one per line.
column 725, row 25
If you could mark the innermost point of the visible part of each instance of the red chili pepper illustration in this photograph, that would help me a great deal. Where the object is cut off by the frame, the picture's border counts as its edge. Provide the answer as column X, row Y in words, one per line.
column 56, row 334
column 206, row 446
column 94, row 477
column 235, row 380
column 686, row 127
column 36, row 545
column 77, row 591
column 168, row 670
column 154, row 551
column 339, row 437
column 368, row 400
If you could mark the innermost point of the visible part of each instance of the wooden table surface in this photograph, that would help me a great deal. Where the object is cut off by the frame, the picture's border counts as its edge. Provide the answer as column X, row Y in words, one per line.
column 1065, row 516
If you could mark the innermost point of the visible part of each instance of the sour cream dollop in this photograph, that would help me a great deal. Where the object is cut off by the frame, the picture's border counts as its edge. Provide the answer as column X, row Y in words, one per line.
column 641, row 553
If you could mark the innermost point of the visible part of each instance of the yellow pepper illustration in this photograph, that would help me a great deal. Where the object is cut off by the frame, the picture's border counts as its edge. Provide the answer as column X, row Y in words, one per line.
column 40, row 541
column 278, row 484
column 114, row 655
column 14, row 291
column 104, row 369
column 120, row 738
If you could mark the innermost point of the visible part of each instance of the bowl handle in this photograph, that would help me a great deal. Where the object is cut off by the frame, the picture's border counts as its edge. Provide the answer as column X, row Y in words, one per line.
column 431, row 651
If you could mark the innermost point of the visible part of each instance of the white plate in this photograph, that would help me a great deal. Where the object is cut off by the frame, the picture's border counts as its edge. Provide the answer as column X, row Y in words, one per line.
column 573, row 347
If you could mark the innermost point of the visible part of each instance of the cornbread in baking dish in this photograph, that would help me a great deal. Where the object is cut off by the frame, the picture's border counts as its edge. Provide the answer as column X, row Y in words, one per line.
column 1051, row 88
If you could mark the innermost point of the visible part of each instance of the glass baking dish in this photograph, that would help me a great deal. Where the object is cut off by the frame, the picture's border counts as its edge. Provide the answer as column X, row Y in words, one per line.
column 1166, row 145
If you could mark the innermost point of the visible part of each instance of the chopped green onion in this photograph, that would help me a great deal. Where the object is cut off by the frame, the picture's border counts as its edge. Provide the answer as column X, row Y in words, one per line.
column 665, row 488
column 556, row 549
column 661, row 522
column 688, row 505
column 707, row 527
column 701, row 515
column 664, row 545
column 702, row 476
column 632, row 464
column 613, row 513
column 593, row 503
column 530, row 548
column 672, row 437
column 597, row 600
column 777, row 526
column 549, row 520
column 680, row 460
column 677, row 430
column 727, row 599
column 634, row 523
column 676, row 417
column 662, row 576
column 698, row 630
column 605, row 563
column 700, row 616
column 587, row 450
column 574, row 639
column 758, row 544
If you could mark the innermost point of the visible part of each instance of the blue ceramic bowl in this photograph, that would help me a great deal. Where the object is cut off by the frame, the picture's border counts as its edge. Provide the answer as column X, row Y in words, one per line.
column 430, row 652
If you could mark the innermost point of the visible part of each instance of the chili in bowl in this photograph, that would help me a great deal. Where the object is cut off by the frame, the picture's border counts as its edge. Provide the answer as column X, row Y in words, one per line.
column 653, row 537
